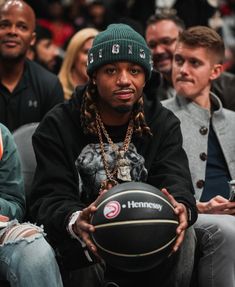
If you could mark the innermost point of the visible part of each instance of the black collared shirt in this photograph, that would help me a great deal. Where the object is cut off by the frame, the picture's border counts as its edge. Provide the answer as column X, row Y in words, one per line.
column 35, row 94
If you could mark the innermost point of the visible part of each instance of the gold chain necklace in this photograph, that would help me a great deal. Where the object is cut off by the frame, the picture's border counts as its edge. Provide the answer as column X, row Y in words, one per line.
column 122, row 167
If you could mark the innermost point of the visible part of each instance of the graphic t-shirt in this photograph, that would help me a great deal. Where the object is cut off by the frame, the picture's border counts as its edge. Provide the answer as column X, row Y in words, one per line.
column 90, row 165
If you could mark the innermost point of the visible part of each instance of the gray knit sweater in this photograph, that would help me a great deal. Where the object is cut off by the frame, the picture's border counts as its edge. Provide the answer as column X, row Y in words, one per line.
column 195, row 122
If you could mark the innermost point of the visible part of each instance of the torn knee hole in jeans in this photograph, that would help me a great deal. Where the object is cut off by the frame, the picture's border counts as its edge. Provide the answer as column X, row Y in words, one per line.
column 20, row 231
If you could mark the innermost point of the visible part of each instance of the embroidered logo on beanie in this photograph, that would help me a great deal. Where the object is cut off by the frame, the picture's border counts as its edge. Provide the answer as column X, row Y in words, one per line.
column 119, row 42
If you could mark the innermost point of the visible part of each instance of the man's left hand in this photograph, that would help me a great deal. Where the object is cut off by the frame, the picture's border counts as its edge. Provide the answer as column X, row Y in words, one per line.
column 181, row 212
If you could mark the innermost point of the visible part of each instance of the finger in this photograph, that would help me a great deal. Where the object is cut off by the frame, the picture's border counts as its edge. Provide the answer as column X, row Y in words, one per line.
column 183, row 218
column 182, row 226
column 95, row 252
column 231, row 205
column 220, row 199
column 232, row 211
column 84, row 227
column 227, row 211
column 88, row 212
column 169, row 196
column 178, row 241
column 89, row 242
column 179, row 208
column 102, row 191
column 218, row 208
column 4, row 218
column 83, row 224
column 91, row 246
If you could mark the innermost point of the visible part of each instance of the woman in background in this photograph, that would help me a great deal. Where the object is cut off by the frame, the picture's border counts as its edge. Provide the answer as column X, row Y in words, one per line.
column 73, row 69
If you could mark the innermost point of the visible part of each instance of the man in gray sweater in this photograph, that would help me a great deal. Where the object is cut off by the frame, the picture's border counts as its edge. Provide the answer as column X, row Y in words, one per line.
column 208, row 138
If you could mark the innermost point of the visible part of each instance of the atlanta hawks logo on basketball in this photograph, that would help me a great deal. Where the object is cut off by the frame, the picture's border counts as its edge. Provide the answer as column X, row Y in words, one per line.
column 112, row 209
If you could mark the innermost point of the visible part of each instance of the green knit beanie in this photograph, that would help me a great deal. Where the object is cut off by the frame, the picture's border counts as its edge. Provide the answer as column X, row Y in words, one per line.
column 119, row 42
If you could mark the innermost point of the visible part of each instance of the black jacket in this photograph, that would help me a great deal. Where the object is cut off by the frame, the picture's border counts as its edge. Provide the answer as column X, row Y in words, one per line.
column 36, row 93
column 59, row 141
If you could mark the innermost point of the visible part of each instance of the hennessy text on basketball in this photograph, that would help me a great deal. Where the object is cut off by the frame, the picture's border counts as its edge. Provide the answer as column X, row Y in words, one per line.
column 141, row 204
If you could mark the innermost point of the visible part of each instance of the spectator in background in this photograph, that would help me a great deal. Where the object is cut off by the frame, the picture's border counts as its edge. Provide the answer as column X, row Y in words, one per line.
column 56, row 23
column 192, row 12
column 44, row 52
column 84, row 14
column 97, row 15
column 76, row 14
column 196, row 12
column 228, row 32
column 73, row 69
column 134, row 24
column 161, row 35
column 28, row 91
column 40, row 7
column 26, row 259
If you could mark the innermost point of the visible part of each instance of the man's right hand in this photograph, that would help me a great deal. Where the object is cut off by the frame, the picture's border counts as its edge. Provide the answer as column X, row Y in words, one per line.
column 82, row 227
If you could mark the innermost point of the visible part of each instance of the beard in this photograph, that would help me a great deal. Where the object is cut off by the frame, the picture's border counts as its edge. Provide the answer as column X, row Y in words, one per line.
column 11, row 56
column 123, row 109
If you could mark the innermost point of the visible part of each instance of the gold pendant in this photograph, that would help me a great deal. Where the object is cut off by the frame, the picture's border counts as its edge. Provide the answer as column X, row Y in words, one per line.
column 123, row 167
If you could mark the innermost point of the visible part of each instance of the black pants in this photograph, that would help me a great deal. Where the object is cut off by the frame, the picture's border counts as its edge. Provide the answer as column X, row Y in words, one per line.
column 176, row 271
column 158, row 276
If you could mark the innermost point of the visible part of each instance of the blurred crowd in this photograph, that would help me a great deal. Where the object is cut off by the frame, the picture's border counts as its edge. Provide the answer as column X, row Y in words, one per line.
column 63, row 18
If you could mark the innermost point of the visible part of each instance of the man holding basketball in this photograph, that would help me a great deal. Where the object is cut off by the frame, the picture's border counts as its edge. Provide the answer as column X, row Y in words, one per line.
column 102, row 137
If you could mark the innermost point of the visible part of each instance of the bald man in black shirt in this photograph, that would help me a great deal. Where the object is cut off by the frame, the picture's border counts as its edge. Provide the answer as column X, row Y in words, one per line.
column 27, row 91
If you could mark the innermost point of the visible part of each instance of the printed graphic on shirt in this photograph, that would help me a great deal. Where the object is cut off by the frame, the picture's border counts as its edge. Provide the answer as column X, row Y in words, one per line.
column 91, row 169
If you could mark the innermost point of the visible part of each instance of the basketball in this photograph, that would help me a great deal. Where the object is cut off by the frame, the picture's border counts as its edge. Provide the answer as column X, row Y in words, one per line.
column 135, row 226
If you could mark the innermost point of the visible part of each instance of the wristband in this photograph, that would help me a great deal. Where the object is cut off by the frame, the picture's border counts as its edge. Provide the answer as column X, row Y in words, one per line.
column 72, row 221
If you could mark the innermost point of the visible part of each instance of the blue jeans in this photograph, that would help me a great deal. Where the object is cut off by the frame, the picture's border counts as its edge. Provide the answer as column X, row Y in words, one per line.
column 216, row 240
column 29, row 262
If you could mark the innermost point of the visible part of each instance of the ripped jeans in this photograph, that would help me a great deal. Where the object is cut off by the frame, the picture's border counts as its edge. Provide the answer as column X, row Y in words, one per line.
column 27, row 260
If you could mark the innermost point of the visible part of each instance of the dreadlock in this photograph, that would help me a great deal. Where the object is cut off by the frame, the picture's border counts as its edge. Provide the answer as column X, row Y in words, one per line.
column 140, row 126
column 88, row 109
column 88, row 113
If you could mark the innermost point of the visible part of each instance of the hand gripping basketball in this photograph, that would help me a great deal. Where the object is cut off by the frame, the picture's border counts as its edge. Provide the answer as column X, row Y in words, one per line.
column 135, row 226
